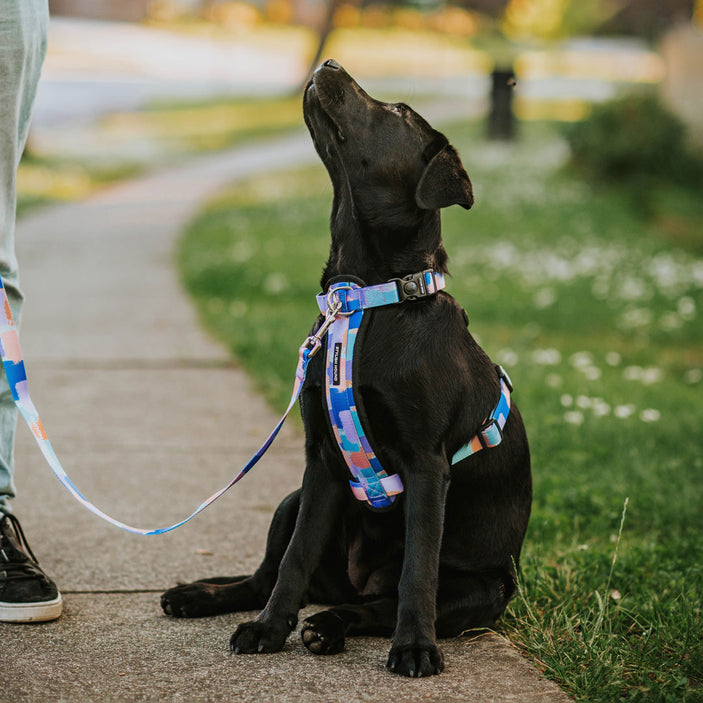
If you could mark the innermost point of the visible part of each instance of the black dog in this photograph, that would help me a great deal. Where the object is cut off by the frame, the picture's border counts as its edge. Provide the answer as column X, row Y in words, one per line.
column 442, row 560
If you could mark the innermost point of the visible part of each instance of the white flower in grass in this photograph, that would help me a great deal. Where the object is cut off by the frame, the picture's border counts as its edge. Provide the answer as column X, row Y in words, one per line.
column 670, row 321
column 635, row 317
column 546, row 357
column 693, row 376
column 633, row 373
column 241, row 252
column 581, row 359
column 275, row 283
column 592, row 373
column 566, row 400
column 507, row 357
column 647, row 376
column 574, row 417
column 544, row 298
column 634, row 289
column 651, row 375
column 686, row 308
column 650, row 415
column 600, row 407
column 612, row 358
column 553, row 380
column 583, row 402
column 624, row 411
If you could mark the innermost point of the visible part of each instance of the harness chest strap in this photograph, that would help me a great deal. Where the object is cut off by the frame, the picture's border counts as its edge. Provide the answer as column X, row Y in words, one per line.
column 370, row 482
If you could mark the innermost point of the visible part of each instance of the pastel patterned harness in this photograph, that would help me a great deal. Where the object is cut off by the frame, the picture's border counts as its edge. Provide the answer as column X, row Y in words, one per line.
column 370, row 482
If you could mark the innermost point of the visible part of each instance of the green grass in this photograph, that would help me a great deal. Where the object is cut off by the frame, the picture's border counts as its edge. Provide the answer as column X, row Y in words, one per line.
column 595, row 310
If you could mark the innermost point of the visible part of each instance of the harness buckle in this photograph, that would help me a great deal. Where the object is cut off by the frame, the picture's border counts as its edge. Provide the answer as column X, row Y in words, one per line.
column 412, row 287
column 490, row 434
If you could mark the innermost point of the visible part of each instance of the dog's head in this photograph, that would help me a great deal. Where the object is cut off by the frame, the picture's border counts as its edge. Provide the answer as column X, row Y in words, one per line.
column 391, row 162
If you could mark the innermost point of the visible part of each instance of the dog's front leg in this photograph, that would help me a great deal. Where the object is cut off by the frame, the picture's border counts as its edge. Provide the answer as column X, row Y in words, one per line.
column 318, row 517
column 414, row 650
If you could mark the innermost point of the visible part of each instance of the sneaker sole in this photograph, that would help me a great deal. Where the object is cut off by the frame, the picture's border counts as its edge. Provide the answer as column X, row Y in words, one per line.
column 42, row 611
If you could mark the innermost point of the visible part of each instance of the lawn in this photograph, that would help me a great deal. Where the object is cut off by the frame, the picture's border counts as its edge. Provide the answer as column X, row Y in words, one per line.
column 594, row 307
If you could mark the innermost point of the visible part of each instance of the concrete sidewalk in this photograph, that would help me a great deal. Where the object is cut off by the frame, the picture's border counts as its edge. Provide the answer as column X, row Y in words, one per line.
column 149, row 417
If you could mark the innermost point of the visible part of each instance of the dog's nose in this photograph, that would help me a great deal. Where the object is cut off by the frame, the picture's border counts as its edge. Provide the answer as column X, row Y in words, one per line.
column 331, row 63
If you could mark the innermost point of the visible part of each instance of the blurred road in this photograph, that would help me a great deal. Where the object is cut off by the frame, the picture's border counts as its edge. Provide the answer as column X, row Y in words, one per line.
column 93, row 68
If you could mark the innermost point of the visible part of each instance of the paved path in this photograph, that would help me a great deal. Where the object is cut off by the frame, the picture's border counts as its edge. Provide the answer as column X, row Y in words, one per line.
column 149, row 416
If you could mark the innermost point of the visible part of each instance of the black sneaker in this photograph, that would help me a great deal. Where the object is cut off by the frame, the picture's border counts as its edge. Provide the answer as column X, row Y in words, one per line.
column 27, row 594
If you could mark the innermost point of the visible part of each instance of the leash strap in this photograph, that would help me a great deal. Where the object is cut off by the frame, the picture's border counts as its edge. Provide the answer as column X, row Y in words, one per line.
column 17, row 378
column 372, row 484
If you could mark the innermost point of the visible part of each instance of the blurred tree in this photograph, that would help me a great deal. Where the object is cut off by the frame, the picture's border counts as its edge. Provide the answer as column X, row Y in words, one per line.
column 325, row 29
column 648, row 18
column 510, row 21
column 555, row 19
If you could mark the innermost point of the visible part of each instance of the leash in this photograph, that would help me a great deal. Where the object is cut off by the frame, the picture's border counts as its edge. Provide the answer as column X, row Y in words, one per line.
column 343, row 307
column 13, row 363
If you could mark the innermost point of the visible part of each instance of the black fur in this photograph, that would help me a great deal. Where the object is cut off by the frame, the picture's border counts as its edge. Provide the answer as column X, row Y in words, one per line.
column 442, row 561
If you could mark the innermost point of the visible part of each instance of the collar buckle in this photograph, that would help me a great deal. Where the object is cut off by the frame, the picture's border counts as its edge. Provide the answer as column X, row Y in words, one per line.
column 413, row 287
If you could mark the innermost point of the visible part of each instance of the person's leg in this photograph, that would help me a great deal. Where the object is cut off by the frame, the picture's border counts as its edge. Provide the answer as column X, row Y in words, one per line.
column 23, row 31
column 27, row 594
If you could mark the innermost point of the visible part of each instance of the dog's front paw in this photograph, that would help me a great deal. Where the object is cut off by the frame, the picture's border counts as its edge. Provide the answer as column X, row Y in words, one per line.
column 416, row 660
column 190, row 600
column 323, row 633
column 258, row 637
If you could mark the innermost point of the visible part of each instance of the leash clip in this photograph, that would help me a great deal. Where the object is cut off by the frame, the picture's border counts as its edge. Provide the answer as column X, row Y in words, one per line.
column 314, row 341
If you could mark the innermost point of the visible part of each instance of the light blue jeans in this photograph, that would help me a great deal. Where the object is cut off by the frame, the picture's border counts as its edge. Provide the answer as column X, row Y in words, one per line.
column 23, row 33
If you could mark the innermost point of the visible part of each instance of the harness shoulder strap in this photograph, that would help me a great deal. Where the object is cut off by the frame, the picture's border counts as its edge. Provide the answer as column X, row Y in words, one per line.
column 370, row 481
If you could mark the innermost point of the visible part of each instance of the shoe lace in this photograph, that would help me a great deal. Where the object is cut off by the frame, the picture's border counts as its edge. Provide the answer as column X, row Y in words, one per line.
column 26, row 567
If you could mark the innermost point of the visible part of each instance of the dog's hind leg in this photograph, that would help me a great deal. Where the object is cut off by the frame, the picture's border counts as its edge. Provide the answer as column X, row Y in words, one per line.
column 227, row 594
column 472, row 601
column 324, row 632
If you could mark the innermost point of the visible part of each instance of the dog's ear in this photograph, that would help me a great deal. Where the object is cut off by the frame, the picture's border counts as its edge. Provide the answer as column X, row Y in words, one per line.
column 444, row 182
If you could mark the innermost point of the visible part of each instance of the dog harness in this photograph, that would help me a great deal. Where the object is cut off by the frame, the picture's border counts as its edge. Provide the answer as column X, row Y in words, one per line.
column 346, row 301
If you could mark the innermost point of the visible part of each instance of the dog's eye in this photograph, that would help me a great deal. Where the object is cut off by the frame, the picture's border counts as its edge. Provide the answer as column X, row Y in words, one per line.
column 397, row 109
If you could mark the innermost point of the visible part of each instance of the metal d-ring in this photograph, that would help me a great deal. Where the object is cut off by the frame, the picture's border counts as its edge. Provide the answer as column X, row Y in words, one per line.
column 334, row 304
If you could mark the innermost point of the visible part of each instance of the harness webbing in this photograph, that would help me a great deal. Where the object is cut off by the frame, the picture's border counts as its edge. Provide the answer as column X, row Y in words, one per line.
column 371, row 483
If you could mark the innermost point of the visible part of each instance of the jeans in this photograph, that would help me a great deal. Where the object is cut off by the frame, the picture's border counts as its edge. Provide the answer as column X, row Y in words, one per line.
column 23, row 36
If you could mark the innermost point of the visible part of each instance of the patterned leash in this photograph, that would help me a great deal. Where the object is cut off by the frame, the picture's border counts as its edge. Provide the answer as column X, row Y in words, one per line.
column 17, row 378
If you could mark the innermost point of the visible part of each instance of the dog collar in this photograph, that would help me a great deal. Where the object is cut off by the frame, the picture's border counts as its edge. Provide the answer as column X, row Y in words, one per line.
column 353, row 296
column 344, row 306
